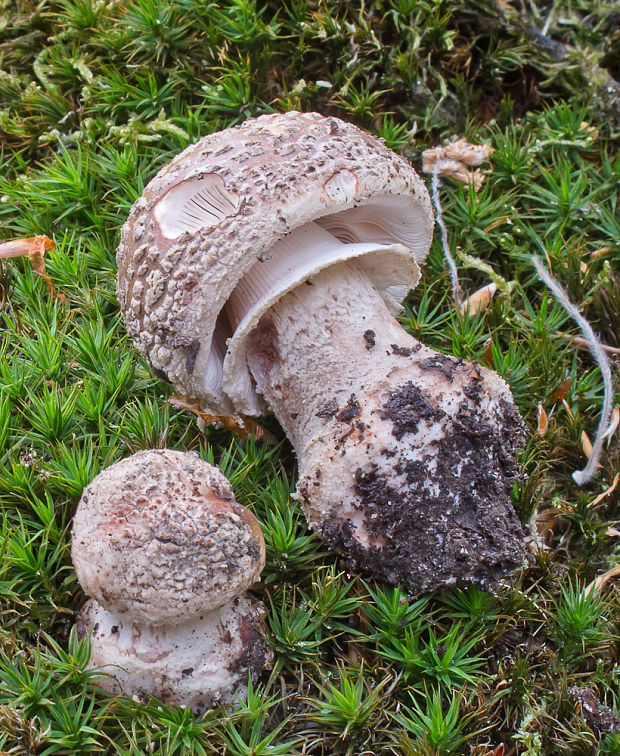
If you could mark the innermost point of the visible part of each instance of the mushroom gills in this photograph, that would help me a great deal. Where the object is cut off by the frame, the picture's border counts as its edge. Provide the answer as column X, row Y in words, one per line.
column 381, row 222
column 198, row 202
column 213, row 374
column 293, row 262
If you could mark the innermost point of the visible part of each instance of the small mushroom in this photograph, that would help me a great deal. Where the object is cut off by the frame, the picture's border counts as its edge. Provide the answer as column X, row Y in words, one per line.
column 261, row 270
column 166, row 553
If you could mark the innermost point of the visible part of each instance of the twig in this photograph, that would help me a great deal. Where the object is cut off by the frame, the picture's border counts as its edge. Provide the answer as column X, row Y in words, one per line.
column 583, row 344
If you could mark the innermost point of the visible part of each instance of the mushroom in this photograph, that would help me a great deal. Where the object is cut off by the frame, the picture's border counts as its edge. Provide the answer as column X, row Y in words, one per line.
column 166, row 553
column 261, row 270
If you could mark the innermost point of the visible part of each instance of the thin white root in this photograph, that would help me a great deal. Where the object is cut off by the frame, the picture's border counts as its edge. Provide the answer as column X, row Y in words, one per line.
column 457, row 292
column 581, row 477
column 453, row 161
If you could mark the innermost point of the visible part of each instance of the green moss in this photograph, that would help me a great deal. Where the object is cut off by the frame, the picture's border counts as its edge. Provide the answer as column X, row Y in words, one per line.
column 95, row 97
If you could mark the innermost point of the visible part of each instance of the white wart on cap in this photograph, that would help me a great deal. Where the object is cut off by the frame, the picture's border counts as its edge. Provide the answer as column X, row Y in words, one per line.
column 159, row 536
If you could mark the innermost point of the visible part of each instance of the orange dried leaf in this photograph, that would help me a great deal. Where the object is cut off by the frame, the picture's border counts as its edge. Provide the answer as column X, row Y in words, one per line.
column 613, row 532
column 479, row 300
column 39, row 246
column 242, row 427
column 542, row 420
column 586, row 444
column 601, row 251
column 35, row 248
column 561, row 391
column 606, row 493
column 600, row 581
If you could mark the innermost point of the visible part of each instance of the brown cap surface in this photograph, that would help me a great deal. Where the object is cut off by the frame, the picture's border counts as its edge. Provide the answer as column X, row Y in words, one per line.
column 159, row 536
column 217, row 209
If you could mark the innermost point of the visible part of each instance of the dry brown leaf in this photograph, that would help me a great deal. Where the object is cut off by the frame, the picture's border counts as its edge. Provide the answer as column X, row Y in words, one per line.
column 584, row 267
column 586, row 444
column 35, row 248
column 600, row 581
column 561, row 391
column 542, row 420
column 601, row 251
column 606, row 493
column 243, row 427
column 591, row 130
column 453, row 161
column 546, row 522
column 479, row 300
column 614, row 532
column 487, row 355
column 583, row 344
column 450, row 168
column 464, row 152
column 613, row 424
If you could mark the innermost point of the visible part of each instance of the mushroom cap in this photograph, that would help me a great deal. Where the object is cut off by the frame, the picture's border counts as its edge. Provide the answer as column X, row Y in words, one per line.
column 196, row 664
column 159, row 536
column 218, row 208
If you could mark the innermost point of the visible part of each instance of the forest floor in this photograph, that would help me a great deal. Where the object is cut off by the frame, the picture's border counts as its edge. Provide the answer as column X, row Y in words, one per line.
column 97, row 96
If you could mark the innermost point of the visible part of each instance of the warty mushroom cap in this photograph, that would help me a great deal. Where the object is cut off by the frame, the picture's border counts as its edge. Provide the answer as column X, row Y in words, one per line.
column 219, row 213
column 201, row 662
column 159, row 535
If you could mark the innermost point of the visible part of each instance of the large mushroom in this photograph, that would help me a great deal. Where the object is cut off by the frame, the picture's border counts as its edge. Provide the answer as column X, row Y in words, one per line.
column 261, row 271
column 166, row 552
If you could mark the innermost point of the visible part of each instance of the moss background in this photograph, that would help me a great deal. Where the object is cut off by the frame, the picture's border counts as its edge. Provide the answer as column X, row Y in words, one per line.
column 95, row 97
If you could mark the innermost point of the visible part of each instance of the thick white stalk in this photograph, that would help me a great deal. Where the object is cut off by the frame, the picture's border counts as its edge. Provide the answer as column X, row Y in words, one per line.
column 197, row 662
column 406, row 455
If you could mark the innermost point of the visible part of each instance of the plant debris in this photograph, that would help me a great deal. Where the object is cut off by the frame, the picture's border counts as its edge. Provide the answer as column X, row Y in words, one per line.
column 242, row 427
column 34, row 248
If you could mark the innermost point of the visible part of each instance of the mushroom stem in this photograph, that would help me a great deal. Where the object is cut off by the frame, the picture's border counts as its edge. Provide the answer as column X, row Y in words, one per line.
column 325, row 340
column 406, row 455
column 197, row 663
column 290, row 263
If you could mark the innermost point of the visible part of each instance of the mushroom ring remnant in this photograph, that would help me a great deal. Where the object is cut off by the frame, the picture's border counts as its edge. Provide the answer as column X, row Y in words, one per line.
column 166, row 552
column 261, row 270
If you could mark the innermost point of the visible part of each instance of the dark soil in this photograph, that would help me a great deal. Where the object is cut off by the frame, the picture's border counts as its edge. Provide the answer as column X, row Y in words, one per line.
column 452, row 522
